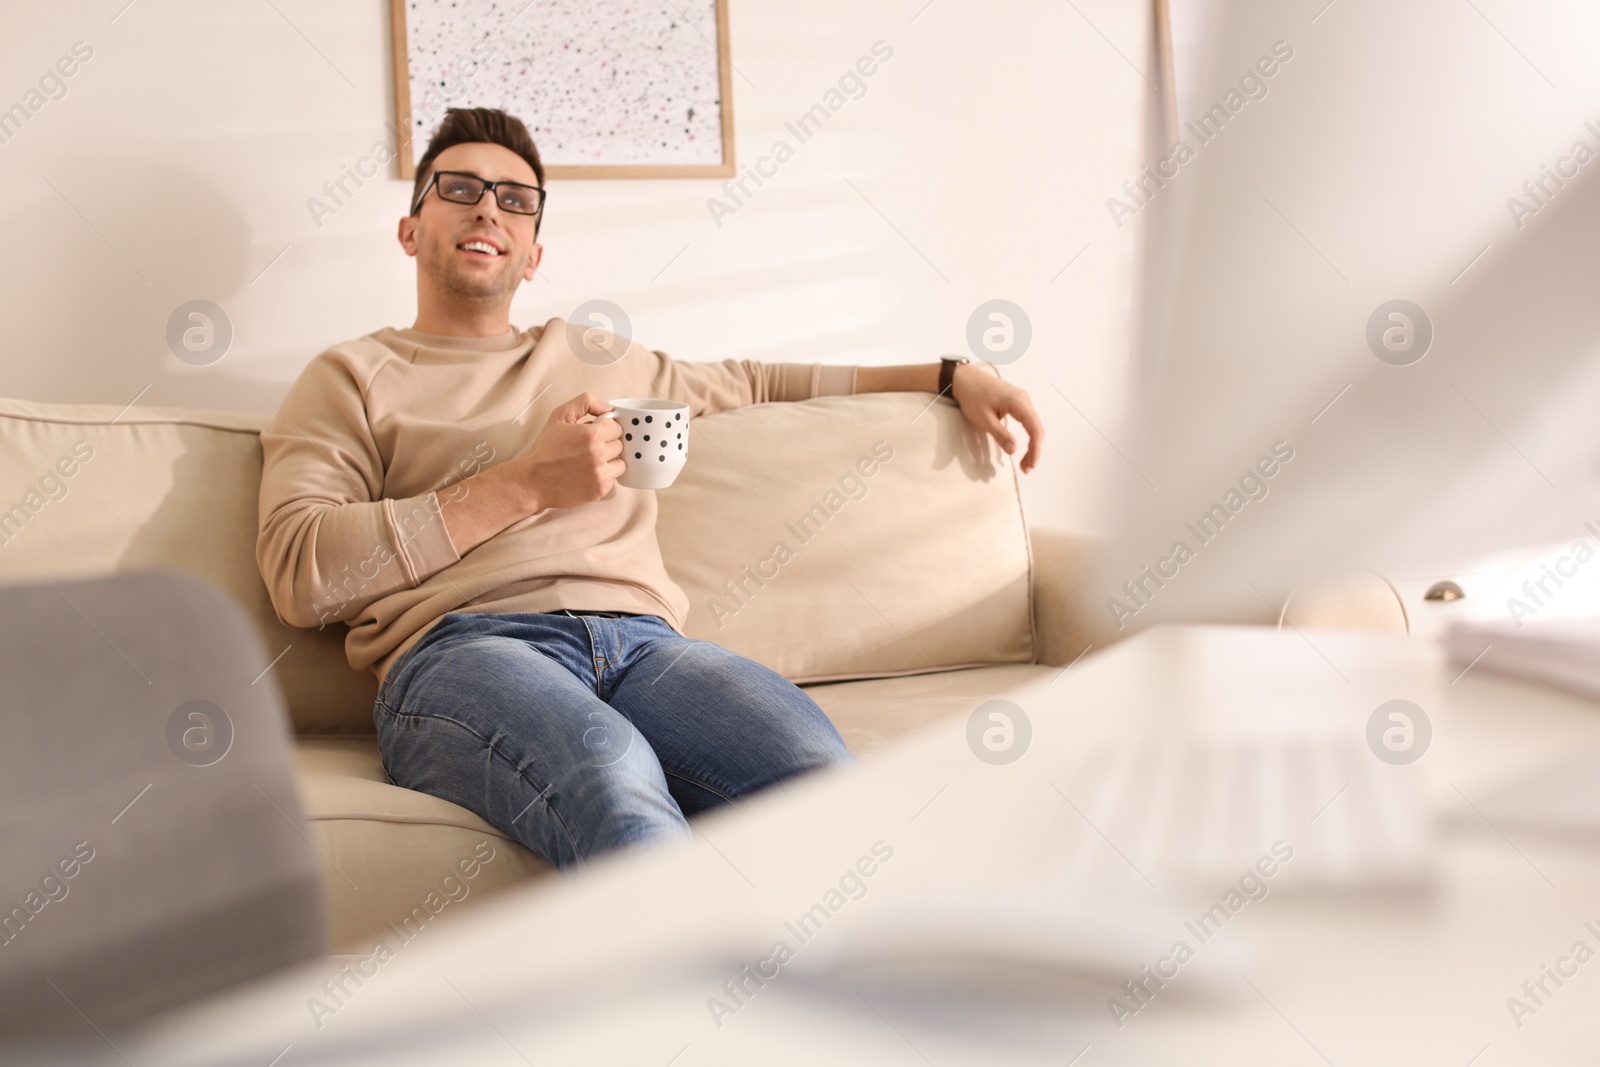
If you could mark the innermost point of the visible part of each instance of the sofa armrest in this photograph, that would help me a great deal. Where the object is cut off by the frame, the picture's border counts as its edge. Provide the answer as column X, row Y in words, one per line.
column 1060, row 565
column 1065, row 627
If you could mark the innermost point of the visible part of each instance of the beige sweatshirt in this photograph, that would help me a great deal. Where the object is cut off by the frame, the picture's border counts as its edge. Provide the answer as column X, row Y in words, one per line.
column 376, row 432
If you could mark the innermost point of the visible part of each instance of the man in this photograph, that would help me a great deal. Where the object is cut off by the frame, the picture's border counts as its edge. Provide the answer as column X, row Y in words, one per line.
column 509, row 596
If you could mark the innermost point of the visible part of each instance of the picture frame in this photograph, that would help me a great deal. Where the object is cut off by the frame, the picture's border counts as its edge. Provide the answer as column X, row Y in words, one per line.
column 1161, row 23
column 476, row 94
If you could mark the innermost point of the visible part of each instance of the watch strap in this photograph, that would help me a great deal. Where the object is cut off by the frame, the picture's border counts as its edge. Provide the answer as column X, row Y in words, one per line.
column 947, row 371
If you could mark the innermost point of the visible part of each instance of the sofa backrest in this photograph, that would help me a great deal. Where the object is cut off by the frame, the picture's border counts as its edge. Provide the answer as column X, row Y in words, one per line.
column 843, row 537
column 851, row 537
column 163, row 487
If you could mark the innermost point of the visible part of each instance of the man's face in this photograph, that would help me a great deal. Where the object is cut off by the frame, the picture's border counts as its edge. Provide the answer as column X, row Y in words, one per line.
column 439, row 230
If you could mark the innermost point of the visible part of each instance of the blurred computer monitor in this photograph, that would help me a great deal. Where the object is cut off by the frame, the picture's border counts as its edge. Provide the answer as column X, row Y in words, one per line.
column 1368, row 327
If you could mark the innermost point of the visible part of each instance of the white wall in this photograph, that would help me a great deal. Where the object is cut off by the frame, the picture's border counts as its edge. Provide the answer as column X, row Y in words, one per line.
column 179, row 163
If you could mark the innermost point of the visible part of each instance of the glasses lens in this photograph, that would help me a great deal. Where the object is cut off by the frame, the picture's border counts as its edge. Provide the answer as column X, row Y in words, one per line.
column 460, row 188
column 521, row 199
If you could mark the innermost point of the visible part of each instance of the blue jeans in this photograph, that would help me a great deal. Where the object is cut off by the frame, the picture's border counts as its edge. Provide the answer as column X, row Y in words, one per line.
column 577, row 734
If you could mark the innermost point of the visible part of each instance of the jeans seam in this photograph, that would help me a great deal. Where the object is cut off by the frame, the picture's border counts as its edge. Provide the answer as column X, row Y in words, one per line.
column 614, row 630
column 572, row 842
column 707, row 786
column 597, row 656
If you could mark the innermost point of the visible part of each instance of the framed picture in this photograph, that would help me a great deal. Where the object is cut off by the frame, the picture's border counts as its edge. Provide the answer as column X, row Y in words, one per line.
column 608, row 88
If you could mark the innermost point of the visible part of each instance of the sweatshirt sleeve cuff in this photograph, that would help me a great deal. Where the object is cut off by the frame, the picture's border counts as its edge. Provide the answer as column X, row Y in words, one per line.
column 416, row 527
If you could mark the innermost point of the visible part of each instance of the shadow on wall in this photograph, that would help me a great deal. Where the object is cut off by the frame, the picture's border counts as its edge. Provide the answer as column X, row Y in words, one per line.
column 121, row 242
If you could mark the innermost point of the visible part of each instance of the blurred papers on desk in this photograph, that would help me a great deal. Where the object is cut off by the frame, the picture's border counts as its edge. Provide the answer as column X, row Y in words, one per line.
column 1564, row 653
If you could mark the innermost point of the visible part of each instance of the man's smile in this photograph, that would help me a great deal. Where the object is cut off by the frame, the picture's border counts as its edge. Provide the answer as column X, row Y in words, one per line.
column 482, row 247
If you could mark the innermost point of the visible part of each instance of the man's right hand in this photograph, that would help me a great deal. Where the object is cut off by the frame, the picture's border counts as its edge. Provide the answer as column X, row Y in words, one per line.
column 572, row 461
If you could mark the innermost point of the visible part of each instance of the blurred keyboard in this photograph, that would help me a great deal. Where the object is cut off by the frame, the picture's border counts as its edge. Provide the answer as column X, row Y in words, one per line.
column 1200, row 812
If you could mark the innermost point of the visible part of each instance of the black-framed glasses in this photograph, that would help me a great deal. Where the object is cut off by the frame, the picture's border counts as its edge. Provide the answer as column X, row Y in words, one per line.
column 459, row 187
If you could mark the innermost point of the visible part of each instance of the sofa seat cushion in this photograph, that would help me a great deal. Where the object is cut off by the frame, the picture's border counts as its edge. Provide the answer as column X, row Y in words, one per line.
column 395, row 856
column 872, row 713
column 393, row 852
column 343, row 777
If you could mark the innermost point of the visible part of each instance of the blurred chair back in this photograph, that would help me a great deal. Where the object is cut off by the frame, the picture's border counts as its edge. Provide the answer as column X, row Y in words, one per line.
column 152, row 848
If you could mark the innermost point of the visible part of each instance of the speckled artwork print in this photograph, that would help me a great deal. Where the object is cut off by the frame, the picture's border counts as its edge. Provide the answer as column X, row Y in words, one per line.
column 598, row 82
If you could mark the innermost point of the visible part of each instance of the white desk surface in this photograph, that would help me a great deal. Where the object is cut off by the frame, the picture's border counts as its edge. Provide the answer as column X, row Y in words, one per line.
column 579, row 970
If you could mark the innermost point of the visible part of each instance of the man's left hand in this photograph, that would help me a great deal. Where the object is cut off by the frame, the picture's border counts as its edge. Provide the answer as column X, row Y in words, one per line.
column 986, row 400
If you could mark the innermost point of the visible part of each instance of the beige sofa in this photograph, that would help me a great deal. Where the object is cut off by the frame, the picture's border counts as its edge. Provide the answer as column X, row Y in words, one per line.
column 908, row 593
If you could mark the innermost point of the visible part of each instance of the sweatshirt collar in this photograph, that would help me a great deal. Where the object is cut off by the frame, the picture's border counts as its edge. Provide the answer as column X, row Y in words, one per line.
column 505, row 342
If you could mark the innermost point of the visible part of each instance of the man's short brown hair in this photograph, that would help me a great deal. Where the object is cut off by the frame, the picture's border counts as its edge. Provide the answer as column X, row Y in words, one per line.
column 471, row 125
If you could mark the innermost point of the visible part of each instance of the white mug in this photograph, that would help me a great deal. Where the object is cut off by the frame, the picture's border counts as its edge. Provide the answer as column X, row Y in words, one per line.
column 655, row 440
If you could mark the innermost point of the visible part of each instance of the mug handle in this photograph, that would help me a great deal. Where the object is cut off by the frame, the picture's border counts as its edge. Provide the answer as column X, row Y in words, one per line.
column 607, row 415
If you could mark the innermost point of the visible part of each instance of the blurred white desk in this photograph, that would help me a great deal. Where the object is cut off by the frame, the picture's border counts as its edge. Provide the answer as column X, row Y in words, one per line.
column 591, row 969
